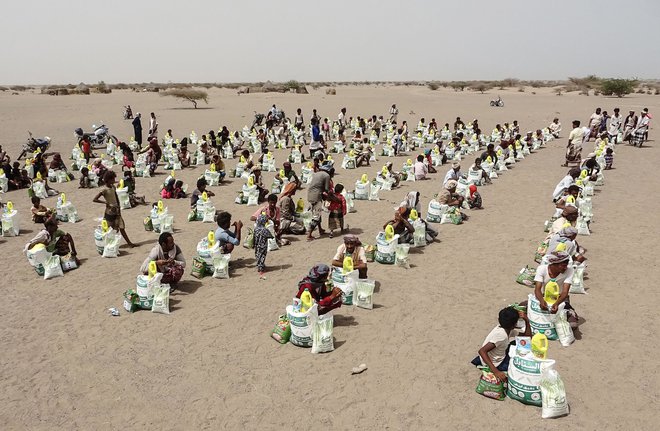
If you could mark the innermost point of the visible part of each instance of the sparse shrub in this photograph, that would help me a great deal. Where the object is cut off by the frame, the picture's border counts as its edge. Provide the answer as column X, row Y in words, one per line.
column 188, row 94
column 618, row 87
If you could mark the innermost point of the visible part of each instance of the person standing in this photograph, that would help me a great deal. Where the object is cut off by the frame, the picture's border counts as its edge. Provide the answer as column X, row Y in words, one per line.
column 341, row 120
column 614, row 128
column 298, row 121
column 153, row 126
column 112, row 208
column 318, row 187
column 629, row 125
column 393, row 113
column 594, row 124
column 574, row 147
column 137, row 129
column 641, row 129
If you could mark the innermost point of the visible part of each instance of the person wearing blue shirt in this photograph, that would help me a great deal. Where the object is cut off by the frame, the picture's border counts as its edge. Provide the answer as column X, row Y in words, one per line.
column 228, row 239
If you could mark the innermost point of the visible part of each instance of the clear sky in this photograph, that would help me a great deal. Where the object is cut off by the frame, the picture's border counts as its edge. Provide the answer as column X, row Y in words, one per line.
column 72, row 41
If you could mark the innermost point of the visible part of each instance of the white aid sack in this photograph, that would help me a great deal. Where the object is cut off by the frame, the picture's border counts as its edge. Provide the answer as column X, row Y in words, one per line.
column 302, row 325
column 577, row 283
column 10, row 225
column 540, row 320
column 435, row 211
column 322, row 340
column 221, row 266
column 402, row 255
column 52, row 267
column 373, row 192
column 364, row 293
column 524, row 377
column 111, row 244
column 563, row 328
column 386, row 250
column 553, row 393
column 161, row 299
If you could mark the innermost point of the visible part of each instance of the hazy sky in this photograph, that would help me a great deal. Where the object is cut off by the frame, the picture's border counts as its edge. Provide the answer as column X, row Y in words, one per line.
column 69, row 41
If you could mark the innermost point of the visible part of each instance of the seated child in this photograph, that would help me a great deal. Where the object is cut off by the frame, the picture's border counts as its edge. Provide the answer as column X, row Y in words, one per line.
column 40, row 214
column 84, row 179
column 494, row 352
column 178, row 190
column 129, row 183
column 168, row 191
column 474, row 200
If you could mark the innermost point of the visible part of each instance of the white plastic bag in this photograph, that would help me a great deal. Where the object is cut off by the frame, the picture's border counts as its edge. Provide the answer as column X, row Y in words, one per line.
column 209, row 214
column 10, row 225
column 322, row 340
column 161, row 301
column 221, row 266
column 272, row 244
column 577, row 283
column 402, row 255
column 362, row 190
column 52, row 267
column 582, row 226
column 563, row 328
column 553, row 394
column 111, row 246
column 373, row 192
column 364, row 293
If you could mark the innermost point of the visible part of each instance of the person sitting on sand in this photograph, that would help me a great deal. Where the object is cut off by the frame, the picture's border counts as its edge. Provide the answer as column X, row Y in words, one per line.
column 197, row 193
column 327, row 297
column 219, row 166
column 351, row 247
column 168, row 257
column 55, row 240
column 412, row 202
column 490, row 152
column 256, row 175
column 226, row 238
column 99, row 169
column 570, row 194
column 559, row 271
column 290, row 174
column 364, row 153
column 494, row 352
column 40, row 214
column 454, row 173
column 402, row 226
column 476, row 167
column 565, row 183
column 567, row 236
column 568, row 216
column 396, row 176
column 133, row 198
column 448, row 195
column 288, row 223
column 555, row 128
column 474, row 199
column 420, row 169
column 184, row 155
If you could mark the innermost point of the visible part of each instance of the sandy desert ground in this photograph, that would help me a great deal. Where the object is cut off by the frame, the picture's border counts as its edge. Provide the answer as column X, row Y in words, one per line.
column 65, row 363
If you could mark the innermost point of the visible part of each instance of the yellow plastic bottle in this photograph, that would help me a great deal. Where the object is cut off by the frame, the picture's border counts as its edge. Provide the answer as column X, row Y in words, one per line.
column 570, row 199
column 63, row 197
column 172, row 172
column 2, row 172
column 413, row 214
column 205, row 196
column 551, row 293
column 300, row 205
column 153, row 269
column 243, row 159
column 10, row 206
column 409, row 162
column 250, row 181
column 583, row 173
column 38, row 177
column 540, row 345
column 389, row 232
column 560, row 247
column 104, row 225
column 121, row 183
column 212, row 167
column 384, row 171
column 364, row 179
column 351, row 153
column 211, row 238
column 282, row 174
column 306, row 301
column 161, row 207
column 348, row 265
column 489, row 160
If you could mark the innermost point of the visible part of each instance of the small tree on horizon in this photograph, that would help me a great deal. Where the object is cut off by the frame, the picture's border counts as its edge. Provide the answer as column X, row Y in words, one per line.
column 188, row 94
column 618, row 87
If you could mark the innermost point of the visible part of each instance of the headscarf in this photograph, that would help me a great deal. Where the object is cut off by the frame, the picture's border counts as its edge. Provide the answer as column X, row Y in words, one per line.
column 451, row 184
column 289, row 190
column 409, row 202
column 261, row 220
column 567, row 232
column 557, row 257
column 318, row 271
column 569, row 210
column 352, row 239
column 456, row 164
column 473, row 190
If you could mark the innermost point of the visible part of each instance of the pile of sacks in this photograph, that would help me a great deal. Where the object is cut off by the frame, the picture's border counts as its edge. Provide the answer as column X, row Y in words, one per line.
column 210, row 261
column 159, row 220
column 149, row 293
column 47, row 264
column 106, row 240
column 302, row 324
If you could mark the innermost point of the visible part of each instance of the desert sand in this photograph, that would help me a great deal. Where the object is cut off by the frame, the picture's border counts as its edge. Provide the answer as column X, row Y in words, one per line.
column 66, row 363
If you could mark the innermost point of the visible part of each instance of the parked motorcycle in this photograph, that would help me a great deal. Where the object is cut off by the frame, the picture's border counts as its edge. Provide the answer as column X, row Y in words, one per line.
column 498, row 103
column 98, row 139
column 128, row 112
column 32, row 144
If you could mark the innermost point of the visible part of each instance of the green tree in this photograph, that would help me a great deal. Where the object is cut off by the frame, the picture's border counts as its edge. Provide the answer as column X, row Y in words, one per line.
column 188, row 94
column 618, row 87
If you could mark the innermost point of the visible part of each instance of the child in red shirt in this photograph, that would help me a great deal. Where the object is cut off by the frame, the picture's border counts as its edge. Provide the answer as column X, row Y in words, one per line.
column 337, row 209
